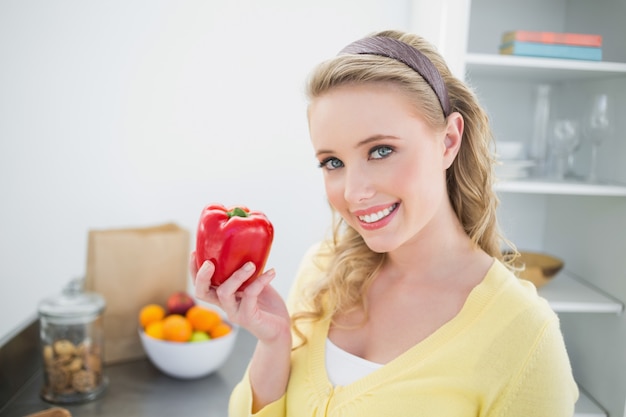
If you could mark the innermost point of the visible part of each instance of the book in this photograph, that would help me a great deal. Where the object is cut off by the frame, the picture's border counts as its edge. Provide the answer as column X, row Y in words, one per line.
column 580, row 39
column 545, row 50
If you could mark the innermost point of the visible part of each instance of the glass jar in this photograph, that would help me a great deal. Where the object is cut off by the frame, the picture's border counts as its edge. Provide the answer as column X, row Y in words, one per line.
column 72, row 342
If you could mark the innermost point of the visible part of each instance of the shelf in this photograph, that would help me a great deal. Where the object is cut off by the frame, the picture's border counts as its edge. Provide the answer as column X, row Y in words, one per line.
column 587, row 407
column 536, row 186
column 568, row 294
column 545, row 69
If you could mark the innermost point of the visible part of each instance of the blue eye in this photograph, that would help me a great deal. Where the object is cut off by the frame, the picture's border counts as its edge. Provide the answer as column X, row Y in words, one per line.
column 381, row 152
column 331, row 164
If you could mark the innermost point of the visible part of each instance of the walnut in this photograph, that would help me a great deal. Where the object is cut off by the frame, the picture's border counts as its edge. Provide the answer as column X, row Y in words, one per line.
column 58, row 378
column 84, row 381
column 64, row 348
column 75, row 365
column 48, row 355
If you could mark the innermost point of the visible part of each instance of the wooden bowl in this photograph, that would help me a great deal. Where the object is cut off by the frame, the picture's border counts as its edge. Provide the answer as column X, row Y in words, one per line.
column 538, row 268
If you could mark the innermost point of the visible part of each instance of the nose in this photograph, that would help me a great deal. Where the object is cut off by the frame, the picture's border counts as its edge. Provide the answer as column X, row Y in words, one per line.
column 358, row 185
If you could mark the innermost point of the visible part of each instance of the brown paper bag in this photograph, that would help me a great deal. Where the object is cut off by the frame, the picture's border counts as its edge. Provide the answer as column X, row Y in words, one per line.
column 131, row 268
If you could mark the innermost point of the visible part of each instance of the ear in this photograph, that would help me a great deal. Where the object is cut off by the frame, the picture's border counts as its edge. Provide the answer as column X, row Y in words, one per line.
column 453, row 138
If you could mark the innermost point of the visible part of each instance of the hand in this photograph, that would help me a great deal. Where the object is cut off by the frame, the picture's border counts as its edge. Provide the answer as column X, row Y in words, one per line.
column 258, row 308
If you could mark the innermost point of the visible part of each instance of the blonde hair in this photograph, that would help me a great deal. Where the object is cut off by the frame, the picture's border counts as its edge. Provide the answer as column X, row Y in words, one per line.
column 349, row 265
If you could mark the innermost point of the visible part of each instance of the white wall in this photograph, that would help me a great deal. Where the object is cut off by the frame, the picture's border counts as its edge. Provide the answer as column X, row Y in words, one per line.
column 135, row 113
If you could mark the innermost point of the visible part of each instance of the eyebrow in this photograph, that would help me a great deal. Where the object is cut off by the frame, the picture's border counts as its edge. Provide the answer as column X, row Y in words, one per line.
column 365, row 141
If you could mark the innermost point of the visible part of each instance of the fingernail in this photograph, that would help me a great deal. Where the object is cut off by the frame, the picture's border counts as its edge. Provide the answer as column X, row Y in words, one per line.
column 205, row 265
column 248, row 267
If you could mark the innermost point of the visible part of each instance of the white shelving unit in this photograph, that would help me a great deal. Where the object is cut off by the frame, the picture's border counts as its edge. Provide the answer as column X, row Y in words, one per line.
column 567, row 293
column 537, row 186
column 544, row 69
column 587, row 407
column 496, row 76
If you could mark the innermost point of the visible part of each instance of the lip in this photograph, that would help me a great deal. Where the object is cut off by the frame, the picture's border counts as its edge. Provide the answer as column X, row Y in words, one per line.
column 375, row 209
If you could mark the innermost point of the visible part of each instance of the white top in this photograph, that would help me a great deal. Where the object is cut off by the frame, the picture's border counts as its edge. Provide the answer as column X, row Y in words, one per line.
column 343, row 368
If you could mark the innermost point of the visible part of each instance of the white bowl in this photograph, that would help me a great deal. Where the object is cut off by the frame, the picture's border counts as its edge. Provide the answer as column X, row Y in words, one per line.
column 192, row 359
column 506, row 150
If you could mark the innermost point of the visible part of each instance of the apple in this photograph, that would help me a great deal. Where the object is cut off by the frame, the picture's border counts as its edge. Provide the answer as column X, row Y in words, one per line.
column 179, row 303
column 199, row 336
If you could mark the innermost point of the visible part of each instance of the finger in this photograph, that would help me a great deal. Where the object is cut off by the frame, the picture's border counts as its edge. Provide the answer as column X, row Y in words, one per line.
column 259, row 284
column 234, row 282
column 211, row 296
column 227, row 290
column 193, row 266
column 206, row 293
column 203, row 288
column 249, row 299
column 203, row 279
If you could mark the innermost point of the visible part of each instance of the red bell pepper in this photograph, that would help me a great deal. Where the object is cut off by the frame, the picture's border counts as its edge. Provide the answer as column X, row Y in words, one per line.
column 231, row 237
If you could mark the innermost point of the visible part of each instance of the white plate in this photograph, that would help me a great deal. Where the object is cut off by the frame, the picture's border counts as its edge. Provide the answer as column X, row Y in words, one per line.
column 514, row 169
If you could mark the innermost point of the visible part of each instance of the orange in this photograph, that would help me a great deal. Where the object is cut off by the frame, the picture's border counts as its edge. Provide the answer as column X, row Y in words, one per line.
column 220, row 330
column 155, row 329
column 176, row 328
column 150, row 313
column 202, row 318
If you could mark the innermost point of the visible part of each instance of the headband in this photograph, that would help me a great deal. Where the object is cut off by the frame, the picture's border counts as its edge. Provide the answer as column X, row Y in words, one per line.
column 408, row 55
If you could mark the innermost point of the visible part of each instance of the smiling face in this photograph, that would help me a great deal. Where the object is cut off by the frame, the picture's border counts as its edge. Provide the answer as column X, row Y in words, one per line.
column 384, row 167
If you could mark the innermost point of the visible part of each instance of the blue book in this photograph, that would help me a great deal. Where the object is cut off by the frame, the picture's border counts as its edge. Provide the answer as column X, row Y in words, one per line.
column 545, row 50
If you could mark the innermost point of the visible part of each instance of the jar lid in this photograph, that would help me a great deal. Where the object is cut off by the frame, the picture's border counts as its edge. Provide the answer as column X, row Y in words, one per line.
column 72, row 303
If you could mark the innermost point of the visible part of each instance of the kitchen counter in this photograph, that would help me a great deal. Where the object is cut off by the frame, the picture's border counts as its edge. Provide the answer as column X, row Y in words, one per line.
column 137, row 388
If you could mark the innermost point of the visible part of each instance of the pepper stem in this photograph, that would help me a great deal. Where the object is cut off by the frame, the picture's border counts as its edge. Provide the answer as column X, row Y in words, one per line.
column 237, row 211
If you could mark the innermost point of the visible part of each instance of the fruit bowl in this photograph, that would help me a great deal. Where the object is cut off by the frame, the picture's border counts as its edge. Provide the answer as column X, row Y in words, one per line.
column 540, row 268
column 189, row 360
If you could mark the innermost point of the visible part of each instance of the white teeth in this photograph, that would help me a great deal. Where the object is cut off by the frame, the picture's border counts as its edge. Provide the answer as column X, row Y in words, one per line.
column 374, row 217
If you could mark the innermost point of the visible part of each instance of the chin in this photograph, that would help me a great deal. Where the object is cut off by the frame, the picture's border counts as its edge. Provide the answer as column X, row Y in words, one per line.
column 378, row 246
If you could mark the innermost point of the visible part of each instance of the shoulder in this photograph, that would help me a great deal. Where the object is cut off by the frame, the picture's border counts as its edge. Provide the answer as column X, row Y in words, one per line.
column 531, row 343
column 520, row 318
column 520, row 295
column 511, row 307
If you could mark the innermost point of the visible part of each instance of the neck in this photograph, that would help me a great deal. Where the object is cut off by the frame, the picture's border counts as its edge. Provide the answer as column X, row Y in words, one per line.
column 439, row 249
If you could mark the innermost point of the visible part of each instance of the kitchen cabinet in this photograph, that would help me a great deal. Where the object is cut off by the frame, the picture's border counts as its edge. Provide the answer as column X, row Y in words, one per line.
column 582, row 222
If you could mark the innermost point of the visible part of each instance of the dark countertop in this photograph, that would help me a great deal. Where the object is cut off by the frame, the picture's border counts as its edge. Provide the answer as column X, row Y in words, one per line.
column 137, row 388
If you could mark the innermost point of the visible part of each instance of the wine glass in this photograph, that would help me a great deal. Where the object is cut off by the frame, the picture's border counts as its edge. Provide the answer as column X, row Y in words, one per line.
column 569, row 171
column 597, row 125
column 564, row 139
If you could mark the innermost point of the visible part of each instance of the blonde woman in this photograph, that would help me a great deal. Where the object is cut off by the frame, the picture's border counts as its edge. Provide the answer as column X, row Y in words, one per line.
column 409, row 309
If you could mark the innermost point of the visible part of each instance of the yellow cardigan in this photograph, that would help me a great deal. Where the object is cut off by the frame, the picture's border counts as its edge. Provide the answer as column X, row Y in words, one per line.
column 503, row 355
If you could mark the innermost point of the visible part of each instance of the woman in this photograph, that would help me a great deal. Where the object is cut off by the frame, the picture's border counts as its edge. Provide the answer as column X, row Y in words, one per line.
column 410, row 309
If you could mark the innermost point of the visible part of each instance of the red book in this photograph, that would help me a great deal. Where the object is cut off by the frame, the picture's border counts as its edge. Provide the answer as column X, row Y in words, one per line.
column 579, row 39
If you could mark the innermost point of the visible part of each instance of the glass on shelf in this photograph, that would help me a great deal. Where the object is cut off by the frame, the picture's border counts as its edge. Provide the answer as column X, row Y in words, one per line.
column 538, row 149
column 597, row 126
column 564, row 140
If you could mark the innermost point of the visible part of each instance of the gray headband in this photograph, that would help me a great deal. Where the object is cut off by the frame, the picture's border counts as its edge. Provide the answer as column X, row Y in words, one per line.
column 405, row 53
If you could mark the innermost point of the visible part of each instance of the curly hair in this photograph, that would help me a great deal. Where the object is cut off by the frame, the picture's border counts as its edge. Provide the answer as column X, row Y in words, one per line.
column 349, row 265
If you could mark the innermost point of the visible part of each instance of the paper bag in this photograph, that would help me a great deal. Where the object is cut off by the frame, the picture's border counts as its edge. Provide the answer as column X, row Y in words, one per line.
column 131, row 268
